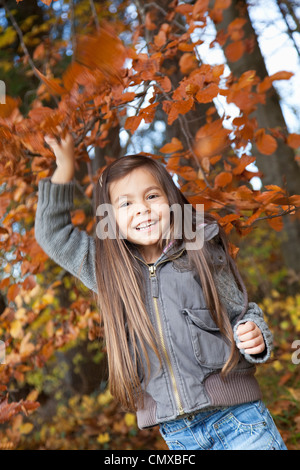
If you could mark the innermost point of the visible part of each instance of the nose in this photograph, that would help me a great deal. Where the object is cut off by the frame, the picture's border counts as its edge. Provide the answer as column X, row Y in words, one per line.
column 141, row 209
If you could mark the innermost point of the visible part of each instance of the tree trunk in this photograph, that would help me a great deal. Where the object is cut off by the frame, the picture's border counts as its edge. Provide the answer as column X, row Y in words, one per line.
column 281, row 168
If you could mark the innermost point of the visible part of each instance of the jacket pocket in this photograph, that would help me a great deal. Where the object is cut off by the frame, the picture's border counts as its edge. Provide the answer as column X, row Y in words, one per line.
column 209, row 345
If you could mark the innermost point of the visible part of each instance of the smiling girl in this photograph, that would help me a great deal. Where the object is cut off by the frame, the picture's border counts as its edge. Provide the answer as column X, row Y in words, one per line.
column 182, row 339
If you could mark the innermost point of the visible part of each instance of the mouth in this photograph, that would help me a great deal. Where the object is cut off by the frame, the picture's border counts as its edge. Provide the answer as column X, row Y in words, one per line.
column 143, row 226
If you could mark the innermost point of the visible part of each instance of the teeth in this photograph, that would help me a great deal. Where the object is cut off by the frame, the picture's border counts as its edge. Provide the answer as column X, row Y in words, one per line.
column 142, row 226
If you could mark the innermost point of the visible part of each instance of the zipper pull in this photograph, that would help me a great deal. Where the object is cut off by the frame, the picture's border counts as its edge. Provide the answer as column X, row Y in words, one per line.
column 153, row 280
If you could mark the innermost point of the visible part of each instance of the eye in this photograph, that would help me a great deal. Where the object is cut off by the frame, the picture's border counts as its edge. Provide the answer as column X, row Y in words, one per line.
column 153, row 196
column 124, row 204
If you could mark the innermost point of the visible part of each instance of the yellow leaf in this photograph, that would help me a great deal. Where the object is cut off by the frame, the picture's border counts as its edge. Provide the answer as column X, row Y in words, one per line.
column 8, row 37
column 26, row 347
column 26, row 428
column 277, row 366
column 16, row 329
column 20, row 313
column 105, row 398
column 130, row 419
column 32, row 396
column 103, row 438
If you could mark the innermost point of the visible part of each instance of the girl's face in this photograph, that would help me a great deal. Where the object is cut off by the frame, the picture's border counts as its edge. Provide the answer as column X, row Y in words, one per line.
column 142, row 211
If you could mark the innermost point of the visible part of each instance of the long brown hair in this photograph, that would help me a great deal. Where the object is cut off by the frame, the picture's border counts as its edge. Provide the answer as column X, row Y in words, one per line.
column 121, row 295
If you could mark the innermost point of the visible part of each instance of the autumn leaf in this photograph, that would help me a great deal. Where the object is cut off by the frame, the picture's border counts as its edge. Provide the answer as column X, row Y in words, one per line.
column 78, row 217
column 293, row 141
column 174, row 146
column 53, row 84
column 103, row 52
column 211, row 139
column 268, row 81
column 235, row 51
column 276, row 223
column 7, row 108
column 208, row 93
column 147, row 113
column 187, row 63
column 223, row 179
column 265, row 143
column 173, row 109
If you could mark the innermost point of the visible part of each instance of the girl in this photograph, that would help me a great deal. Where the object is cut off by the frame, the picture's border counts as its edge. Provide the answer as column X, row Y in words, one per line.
column 182, row 339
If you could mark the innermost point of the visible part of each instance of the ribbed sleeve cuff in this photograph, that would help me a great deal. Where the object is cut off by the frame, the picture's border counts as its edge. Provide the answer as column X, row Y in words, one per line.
column 54, row 193
column 267, row 335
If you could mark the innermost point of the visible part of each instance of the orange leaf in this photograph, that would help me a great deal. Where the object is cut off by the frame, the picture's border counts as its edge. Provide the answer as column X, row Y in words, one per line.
column 148, row 21
column 211, row 139
column 235, row 50
column 266, row 144
column 176, row 108
column 244, row 161
column 222, row 4
column 268, row 81
column 78, row 217
column 173, row 164
column 102, row 52
column 276, row 223
column 132, row 123
column 12, row 292
column 52, row 83
column 223, row 179
column 9, row 106
column 207, row 94
column 293, row 141
column 188, row 63
column 174, row 146
column 283, row 75
column 187, row 172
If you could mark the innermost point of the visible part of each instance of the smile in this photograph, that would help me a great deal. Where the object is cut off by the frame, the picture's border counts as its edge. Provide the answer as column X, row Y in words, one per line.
column 145, row 226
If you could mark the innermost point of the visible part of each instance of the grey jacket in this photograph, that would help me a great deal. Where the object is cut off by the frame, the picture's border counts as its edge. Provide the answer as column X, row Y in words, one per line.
column 192, row 348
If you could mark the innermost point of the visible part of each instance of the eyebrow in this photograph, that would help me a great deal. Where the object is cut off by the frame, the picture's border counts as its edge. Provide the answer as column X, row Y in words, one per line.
column 130, row 195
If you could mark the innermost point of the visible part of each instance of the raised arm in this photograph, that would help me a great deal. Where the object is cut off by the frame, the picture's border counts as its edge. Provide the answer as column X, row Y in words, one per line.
column 69, row 247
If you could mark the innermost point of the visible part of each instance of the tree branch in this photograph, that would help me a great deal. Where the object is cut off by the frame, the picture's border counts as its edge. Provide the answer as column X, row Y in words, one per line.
column 23, row 45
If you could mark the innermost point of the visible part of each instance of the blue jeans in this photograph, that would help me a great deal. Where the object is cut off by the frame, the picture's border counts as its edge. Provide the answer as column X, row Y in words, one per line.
column 242, row 427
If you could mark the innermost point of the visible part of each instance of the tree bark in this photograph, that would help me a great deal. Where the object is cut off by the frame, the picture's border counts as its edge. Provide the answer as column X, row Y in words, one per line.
column 281, row 168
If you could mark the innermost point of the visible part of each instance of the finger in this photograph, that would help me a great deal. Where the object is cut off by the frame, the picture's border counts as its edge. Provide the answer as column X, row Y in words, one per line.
column 256, row 350
column 250, row 335
column 245, row 327
column 253, row 343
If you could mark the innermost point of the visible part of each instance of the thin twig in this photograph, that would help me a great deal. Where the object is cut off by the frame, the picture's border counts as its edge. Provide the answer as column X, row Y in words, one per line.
column 95, row 16
column 162, row 10
column 280, row 214
column 23, row 45
column 73, row 28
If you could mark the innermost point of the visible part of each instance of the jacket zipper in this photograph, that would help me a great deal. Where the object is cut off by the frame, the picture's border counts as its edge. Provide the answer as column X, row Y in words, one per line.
column 152, row 272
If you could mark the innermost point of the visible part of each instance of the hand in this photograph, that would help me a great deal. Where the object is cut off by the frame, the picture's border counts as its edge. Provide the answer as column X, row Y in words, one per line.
column 65, row 157
column 251, row 338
